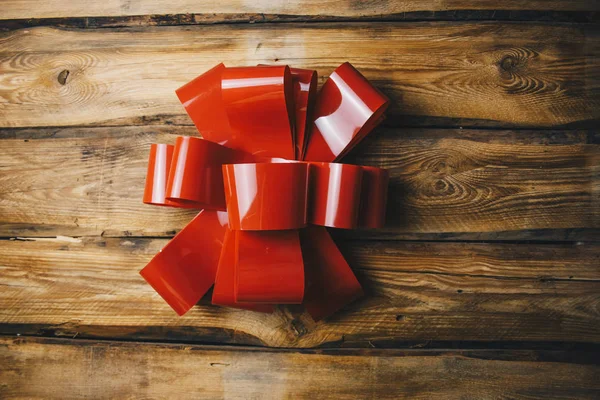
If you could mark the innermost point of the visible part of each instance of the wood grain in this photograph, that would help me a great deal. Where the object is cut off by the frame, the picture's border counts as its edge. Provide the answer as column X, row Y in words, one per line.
column 79, row 108
column 107, row 370
column 21, row 9
column 90, row 182
column 416, row 292
column 485, row 74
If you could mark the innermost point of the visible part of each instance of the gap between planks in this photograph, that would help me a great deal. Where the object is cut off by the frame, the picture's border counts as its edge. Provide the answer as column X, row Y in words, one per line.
column 262, row 18
column 573, row 352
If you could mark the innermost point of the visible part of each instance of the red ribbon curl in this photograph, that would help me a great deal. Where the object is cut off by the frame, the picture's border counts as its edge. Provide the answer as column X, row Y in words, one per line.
column 266, row 179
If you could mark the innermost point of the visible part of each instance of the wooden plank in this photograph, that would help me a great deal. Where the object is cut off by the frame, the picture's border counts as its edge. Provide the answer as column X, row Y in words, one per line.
column 416, row 292
column 485, row 74
column 22, row 9
column 64, row 369
column 84, row 181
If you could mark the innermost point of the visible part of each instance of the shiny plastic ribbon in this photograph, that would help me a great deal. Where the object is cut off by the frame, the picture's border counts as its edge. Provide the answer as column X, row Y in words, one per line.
column 265, row 178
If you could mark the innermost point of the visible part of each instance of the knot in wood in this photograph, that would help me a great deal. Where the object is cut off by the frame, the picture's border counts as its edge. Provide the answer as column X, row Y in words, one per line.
column 62, row 76
column 508, row 63
column 441, row 167
column 440, row 185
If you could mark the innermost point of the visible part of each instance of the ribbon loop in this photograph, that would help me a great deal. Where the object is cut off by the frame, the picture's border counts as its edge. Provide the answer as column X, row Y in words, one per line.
column 159, row 162
column 259, row 104
column 203, row 101
column 335, row 194
column 266, row 196
column 347, row 109
column 196, row 176
column 347, row 196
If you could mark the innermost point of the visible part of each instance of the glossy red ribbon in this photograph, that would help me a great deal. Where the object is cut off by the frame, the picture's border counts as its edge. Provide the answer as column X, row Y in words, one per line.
column 267, row 158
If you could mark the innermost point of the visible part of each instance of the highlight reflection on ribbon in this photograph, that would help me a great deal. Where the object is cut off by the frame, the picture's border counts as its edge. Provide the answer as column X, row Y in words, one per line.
column 267, row 158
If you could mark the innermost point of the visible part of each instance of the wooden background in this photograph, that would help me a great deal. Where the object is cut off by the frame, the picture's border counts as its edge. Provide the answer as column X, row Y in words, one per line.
column 485, row 284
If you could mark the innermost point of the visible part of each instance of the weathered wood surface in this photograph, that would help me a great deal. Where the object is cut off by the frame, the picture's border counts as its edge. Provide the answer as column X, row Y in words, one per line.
column 90, row 181
column 474, row 74
column 21, row 9
column 416, row 292
column 79, row 108
column 108, row 370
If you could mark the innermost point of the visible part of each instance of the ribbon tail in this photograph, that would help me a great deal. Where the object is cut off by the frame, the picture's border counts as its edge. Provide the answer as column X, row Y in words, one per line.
column 224, row 290
column 185, row 269
column 330, row 282
column 269, row 267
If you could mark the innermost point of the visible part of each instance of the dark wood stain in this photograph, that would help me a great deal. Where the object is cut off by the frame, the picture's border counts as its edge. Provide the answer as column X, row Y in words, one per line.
column 212, row 19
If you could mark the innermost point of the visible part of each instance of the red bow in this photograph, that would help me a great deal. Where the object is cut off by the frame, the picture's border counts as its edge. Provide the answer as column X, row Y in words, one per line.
column 262, row 173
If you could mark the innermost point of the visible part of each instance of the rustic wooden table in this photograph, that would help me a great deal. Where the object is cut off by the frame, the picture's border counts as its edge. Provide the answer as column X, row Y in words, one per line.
column 486, row 284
